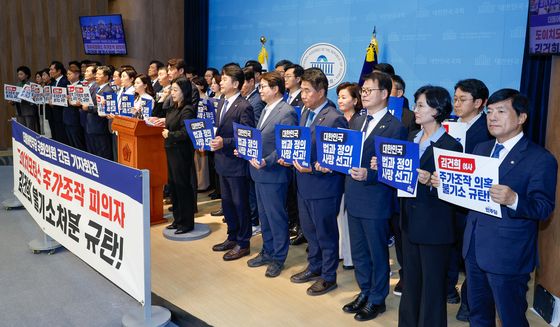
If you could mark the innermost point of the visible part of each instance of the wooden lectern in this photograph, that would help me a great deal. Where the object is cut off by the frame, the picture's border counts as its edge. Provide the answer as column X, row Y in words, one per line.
column 141, row 146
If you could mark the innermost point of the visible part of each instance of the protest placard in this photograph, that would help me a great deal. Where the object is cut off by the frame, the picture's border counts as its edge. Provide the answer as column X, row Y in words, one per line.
column 201, row 132
column 397, row 162
column 294, row 143
column 248, row 142
column 338, row 149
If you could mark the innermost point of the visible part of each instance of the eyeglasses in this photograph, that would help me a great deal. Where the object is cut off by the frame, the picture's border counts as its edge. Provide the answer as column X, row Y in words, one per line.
column 461, row 100
column 262, row 86
column 367, row 91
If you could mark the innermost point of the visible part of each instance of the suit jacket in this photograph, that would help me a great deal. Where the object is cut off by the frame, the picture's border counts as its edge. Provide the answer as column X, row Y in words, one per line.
column 477, row 133
column 157, row 87
column 317, row 185
column 297, row 102
column 426, row 218
column 369, row 199
column 241, row 112
column 409, row 121
column 509, row 245
column 257, row 104
column 175, row 123
column 94, row 123
column 273, row 172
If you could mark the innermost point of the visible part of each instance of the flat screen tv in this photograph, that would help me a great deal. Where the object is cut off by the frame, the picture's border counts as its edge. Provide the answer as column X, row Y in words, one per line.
column 103, row 35
column 544, row 27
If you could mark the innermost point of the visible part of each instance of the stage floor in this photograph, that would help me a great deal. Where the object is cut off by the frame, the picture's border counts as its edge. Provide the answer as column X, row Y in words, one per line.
column 196, row 279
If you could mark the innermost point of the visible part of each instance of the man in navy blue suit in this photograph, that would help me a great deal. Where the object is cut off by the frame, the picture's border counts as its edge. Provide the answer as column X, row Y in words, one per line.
column 469, row 101
column 501, row 253
column 233, row 171
column 319, row 191
column 271, row 178
column 367, row 202
column 97, row 125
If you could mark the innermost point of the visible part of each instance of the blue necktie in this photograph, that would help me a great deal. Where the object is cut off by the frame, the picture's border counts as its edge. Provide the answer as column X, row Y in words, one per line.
column 224, row 109
column 310, row 118
column 496, row 153
column 368, row 119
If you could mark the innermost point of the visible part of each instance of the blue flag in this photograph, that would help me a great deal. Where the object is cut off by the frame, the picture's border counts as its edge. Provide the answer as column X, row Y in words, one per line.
column 201, row 132
column 397, row 162
column 294, row 143
column 395, row 107
column 370, row 61
column 248, row 142
column 338, row 149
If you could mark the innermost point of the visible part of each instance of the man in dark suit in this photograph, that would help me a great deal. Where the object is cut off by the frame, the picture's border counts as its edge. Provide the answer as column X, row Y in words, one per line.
column 153, row 69
column 97, row 129
column 367, row 199
column 54, row 113
column 71, row 115
column 319, row 192
column 233, row 171
column 292, row 80
column 501, row 253
column 271, row 178
column 469, row 100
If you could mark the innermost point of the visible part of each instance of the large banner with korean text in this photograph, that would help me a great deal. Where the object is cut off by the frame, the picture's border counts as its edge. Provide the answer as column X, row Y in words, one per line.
column 91, row 206
column 465, row 180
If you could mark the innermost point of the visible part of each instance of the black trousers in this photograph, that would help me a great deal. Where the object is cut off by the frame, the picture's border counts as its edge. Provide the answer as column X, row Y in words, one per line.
column 100, row 145
column 179, row 165
column 424, row 298
column 76, row 138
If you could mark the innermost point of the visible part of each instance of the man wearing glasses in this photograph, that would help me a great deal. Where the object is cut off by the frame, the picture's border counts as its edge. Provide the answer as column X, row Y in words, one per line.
column 368, row 202
column 469, row 101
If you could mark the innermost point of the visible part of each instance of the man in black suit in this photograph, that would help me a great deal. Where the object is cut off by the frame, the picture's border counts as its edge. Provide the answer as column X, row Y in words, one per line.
column 97, row 128
column 469, row 100
column 54, row 113
column 153, row 69
column 233, row 171
column 71, row 115
column 292, row 78
column 367, row 199
column 319, row 190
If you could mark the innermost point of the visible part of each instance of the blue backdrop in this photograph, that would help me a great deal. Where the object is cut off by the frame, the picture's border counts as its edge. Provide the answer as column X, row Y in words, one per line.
column 436, row 42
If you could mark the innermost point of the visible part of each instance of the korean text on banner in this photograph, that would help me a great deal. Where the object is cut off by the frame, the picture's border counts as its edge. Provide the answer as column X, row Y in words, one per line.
column 338, row 149
column 294, row 143
column 248, row 142
column 59, row 97
column 92, row 206
column 201, row 132
column 465, row 180
column 397, row 162
column 207, row 109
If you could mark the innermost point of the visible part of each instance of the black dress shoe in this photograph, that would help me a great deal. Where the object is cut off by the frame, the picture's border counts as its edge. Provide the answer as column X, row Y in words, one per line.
column 217, row 213
column 183, row 230
column 463, row 313
column 274, row 269
column 224, row 246
column 172, row 226
column 356, row 305
column 236, row 253
column 299, row 239
column 453, row 297
column 215, row 196
column 369, row 311
column 321, row 287
column 260, row 260
column 347, row 267
column 304, row 276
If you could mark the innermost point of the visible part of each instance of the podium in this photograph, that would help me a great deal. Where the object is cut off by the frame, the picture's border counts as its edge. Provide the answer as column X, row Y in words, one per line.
column 141, row 146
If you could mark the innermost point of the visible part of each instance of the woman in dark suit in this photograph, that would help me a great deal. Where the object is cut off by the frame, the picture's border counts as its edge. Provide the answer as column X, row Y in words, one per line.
column 427, row 223
column 180, row 152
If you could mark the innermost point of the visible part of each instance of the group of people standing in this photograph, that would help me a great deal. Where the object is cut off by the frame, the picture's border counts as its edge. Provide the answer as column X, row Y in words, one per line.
column 432, row 237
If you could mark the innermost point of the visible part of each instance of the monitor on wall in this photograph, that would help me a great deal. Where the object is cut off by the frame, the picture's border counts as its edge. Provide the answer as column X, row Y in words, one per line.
column 103, row 35
column 544, row 27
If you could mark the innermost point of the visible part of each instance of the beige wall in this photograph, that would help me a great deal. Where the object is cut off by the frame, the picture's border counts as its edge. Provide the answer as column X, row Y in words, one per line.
column 35, row 32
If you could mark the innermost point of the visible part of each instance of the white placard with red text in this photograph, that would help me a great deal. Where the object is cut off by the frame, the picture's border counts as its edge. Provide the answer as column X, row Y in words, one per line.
column 465, row 180
column 11, row 92
column 58, row 96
